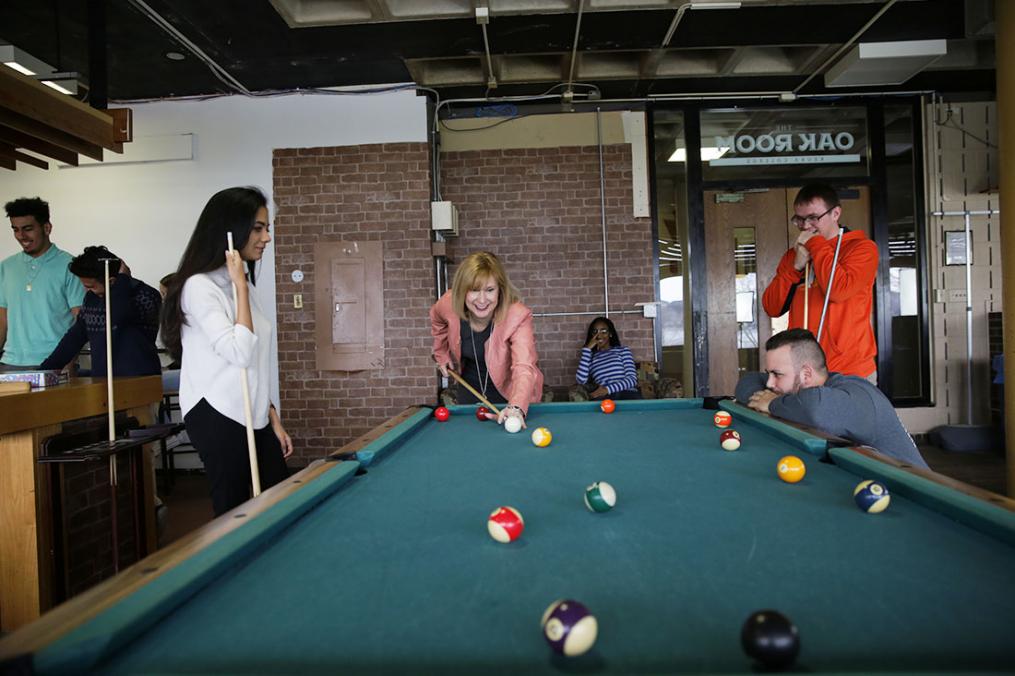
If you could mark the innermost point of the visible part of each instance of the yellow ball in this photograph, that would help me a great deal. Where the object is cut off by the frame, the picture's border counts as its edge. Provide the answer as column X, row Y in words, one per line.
column 541, row 437
column 791, row 469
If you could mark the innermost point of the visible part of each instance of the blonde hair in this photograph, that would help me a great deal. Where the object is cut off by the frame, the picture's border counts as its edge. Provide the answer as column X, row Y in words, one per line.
column 471, row 273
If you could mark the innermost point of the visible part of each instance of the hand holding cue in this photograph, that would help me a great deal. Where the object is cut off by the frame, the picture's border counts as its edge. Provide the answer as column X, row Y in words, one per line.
column 255, row 472
column 807, row 288
column 470, row 388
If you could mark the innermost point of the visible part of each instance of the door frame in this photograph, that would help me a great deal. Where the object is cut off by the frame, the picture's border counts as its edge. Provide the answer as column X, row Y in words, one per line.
column 876, row 182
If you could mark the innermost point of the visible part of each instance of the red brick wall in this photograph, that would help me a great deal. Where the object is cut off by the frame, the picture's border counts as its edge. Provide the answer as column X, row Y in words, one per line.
column 538, row 209
column 370, row 192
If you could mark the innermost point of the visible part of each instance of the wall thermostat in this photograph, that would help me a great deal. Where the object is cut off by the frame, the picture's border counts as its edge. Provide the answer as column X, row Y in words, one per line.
column 297, row 276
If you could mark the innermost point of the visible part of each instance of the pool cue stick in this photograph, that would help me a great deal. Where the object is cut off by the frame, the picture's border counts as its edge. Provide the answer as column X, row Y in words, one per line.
column 470, row 388
column 255, row 471
column 111, row 409
column 111, row 406
column 831, row 280
column 807, row 289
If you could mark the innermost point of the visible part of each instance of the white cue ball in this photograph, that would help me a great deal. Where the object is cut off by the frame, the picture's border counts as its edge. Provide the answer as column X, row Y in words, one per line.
column 512, row 424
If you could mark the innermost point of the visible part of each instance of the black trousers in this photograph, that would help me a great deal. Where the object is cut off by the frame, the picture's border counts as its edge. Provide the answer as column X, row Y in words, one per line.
column 222, row 444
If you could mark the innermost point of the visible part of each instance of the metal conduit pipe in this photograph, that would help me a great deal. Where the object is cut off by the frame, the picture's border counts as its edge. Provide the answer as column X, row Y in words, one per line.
column 969, row 298
column 602, row 210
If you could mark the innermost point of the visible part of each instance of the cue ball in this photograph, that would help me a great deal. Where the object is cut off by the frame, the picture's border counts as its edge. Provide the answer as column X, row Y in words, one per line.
column 722, row 419
column 442, row 413
column 600, row 497
column 770, row 638
column 791, row 469
column 569, row 627
column 608, row 406
column 505, row 524
column 512, row 424
column 871, row 496
column 729, row 440
column 541, row 437
column 481, row 413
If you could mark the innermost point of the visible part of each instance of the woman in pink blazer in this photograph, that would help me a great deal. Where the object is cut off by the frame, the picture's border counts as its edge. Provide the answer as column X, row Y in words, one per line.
column 482, row 325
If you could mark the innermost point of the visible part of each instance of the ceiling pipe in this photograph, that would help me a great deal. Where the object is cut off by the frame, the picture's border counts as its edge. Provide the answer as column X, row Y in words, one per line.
column 693, row 5
column 217, row 70
column 842, row 50
column 574, row 48
column 483, row 18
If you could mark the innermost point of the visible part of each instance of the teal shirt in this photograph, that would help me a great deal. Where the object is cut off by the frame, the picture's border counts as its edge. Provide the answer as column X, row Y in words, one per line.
column 37, row 318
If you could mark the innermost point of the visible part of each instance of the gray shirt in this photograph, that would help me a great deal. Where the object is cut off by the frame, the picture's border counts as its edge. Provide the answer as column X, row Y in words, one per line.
column 845, row 406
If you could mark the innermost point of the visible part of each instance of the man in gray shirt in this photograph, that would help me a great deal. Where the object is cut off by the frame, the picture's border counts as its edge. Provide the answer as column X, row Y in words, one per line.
column 798, row 387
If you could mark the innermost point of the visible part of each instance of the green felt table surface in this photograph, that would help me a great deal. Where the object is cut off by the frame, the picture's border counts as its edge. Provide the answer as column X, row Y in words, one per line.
column 393, row 571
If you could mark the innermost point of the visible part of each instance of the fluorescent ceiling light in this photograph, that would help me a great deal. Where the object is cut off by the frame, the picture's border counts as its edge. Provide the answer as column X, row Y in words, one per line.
column 707, row 153
column 58, row 87
column 18, row 67
column 717, row 4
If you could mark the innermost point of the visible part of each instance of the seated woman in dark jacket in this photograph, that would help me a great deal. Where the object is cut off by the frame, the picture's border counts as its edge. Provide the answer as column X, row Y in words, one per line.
column 134, row 308
column 606, row 367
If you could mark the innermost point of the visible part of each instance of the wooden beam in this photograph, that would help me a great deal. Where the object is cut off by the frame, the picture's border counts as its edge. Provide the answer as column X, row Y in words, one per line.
column 123, row 124
column 21, row 140
column 49, row 134
column 26, row 96
column 8, row 163
column 7, row 150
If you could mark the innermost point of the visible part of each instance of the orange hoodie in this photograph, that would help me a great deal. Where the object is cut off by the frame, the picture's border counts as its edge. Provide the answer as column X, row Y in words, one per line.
column 848, row 337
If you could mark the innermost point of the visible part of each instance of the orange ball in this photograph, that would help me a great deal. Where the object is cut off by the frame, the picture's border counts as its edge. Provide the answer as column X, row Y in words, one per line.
column 608, row 406
column 791, row 469
column 722, row 419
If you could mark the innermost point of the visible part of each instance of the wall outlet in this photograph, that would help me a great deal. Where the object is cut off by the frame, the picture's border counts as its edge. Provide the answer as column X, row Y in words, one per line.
column 298, row 301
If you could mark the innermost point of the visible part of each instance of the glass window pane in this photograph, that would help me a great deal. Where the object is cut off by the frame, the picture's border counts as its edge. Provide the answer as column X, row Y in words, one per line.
column 671, row 191
column 904, row 289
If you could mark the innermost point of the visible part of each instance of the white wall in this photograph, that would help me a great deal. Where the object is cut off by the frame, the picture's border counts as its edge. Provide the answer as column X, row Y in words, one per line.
column 145, row 212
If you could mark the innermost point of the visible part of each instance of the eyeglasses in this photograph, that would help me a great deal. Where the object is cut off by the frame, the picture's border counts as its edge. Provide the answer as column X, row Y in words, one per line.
column 811, row 220
column 595, row 331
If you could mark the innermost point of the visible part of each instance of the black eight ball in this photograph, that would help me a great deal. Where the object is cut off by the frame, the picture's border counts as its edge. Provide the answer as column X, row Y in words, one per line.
column 770, row 638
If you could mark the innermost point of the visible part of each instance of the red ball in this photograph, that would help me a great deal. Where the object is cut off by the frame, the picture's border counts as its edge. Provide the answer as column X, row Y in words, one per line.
column 481, row 413
column 441, row 413
column 722, row 419
column 729, row 440
column 608, row 406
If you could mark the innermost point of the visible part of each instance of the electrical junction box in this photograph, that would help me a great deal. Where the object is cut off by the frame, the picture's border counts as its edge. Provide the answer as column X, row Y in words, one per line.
column 444, row 217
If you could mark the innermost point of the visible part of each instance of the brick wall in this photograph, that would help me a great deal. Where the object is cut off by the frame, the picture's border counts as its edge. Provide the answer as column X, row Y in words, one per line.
column 370, row 192
column 87, row 544
column 538, row 209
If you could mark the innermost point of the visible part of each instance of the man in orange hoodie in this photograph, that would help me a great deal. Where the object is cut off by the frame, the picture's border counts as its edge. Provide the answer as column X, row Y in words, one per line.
column 847, row 336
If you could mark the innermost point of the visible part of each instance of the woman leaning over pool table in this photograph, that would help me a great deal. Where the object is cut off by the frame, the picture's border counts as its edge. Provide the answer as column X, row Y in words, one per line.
column 482, row 325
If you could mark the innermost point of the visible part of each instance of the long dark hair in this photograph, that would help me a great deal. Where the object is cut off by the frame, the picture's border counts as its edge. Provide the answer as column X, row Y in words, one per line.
column 614, row 338
column 230, row 210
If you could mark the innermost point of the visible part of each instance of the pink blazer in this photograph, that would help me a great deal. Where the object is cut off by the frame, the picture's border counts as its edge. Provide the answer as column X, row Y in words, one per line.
column 510, row 351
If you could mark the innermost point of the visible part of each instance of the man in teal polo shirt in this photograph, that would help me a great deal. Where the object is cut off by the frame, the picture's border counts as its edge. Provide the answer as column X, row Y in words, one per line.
column 39, row 297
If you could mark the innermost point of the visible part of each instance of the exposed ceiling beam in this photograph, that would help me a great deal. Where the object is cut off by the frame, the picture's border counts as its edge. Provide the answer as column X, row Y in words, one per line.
column 27, row 125
column 27, row 97
column 8, row 151
column 22, row 140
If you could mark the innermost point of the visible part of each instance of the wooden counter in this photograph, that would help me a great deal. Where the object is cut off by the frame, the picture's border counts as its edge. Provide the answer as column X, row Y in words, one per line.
column 26, row 538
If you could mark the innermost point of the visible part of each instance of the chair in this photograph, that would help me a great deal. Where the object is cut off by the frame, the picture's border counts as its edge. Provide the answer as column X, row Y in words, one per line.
column 170, row 403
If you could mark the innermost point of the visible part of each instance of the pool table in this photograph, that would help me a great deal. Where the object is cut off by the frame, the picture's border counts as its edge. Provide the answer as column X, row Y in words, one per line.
column 378, row 560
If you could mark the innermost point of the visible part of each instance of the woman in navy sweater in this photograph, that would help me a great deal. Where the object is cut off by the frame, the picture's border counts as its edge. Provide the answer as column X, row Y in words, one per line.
column 606, row 367
column 134, row 308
